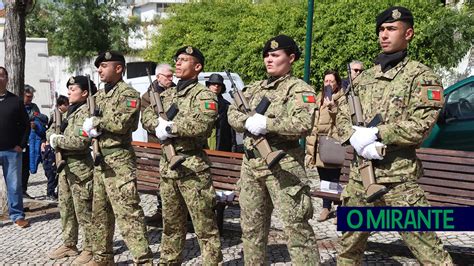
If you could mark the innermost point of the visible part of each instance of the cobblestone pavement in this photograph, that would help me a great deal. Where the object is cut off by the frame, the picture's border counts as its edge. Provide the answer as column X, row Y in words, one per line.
column 30, row 245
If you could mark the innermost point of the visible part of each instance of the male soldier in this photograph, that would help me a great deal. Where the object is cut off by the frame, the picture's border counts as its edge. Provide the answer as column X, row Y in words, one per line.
column 76, row 180
column 115, row 187
column 284, row 186
column 163, row 81
column 408, row 95
column 189, row 186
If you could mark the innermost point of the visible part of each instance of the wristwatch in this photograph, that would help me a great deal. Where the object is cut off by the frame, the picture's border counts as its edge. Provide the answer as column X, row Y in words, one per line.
column 168, row 129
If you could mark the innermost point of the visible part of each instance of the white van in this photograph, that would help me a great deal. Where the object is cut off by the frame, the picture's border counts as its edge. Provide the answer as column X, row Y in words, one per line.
column 142, row 83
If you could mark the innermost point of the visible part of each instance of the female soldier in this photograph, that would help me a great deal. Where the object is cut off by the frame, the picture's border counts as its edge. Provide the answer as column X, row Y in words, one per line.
column 283, row 186
column 75, row 181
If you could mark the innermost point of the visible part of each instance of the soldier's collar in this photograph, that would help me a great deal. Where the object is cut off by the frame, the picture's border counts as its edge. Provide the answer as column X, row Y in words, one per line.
column 185, row 83
column 390, row 74
column 273, row 81
column 109, row 86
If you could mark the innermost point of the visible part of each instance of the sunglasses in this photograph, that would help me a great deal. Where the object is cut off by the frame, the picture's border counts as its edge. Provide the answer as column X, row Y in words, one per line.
column 357, row 70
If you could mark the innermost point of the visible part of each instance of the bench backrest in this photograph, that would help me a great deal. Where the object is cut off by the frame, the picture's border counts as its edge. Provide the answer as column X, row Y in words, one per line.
column 225, row 167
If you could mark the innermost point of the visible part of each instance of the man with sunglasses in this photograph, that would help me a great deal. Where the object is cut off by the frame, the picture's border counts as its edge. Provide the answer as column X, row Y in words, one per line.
column 189, row 186
column 356, row 68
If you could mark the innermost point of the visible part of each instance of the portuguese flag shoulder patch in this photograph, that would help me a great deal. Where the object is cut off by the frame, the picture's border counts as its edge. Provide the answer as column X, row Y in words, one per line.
column 208, row 105
column 82, row 133
column 308, row 98
column 132, row 103
column 433, row 94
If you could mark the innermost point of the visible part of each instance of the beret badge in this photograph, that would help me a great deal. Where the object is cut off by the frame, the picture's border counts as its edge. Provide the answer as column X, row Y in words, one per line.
column 71, row 80
column 189, row 50
column 396, row 14
column 274, row 44
column 108, row 56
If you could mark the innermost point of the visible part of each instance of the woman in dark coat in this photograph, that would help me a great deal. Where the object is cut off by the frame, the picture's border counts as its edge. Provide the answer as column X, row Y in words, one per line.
column 223, row 136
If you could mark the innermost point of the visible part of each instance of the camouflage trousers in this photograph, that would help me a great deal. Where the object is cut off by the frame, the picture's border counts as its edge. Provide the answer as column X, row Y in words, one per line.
column 196, row 194
column 283, row 188
column 426, row 246
column 116, row 198
column 75, row 202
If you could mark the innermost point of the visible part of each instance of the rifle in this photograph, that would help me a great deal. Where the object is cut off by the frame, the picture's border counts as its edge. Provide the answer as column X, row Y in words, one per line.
column 260, row 142
column 373, row 190
column 155, row 100
column 57, row 119
column 92, row 111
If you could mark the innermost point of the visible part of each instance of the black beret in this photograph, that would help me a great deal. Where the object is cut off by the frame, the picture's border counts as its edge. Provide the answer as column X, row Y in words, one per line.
column 282, row 42
column 109, row 56
column 216, row 79
column 82, row 81
column 191, row 51
column 392, row 14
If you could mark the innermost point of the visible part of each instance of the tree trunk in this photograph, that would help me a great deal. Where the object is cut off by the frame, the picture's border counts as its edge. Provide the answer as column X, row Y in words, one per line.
column 15, row 39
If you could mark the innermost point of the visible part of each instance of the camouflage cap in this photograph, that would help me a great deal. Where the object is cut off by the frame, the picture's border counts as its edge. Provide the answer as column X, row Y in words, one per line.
column 82, row 81
column 392, row 14
column 191, row 51
column 282, row 42
column 109, row 56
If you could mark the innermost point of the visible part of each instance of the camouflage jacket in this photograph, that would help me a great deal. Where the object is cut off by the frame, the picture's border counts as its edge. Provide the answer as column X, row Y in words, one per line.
column 409, row 97
column 193, row 125
column 290, row 115
column 75, row 141
column 120, row 111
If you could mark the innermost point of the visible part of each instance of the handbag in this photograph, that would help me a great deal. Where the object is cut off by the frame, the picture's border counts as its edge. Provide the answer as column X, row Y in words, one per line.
column 331, row 151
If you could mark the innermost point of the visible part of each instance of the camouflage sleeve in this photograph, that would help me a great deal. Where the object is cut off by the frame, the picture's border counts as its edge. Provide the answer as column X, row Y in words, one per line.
column 235, row 117
column 121, row 119
column 426, row 99
column 200, row 120
column 301, row 106
column 75, row 138
column 149, row 119
column 343, row 120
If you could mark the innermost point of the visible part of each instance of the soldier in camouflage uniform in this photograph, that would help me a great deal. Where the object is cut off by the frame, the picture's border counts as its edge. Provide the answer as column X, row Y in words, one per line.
column 75, row 181
column 285, row 186
column 115, row 184
column 189, row 186
column 409, row 96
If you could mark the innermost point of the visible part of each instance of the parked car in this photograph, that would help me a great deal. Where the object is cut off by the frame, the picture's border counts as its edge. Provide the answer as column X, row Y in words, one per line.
column 454, row 129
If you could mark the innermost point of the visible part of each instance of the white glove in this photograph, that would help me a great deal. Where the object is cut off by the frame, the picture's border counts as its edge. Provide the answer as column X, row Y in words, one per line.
column 54, row 139
column 93, row 133
column 160, row 130
column 88, row 125
column 362, row 137
column 256, row 124
column 370, row 152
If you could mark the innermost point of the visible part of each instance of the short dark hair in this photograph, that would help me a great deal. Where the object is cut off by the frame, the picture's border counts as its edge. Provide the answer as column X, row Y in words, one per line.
column 62, row 100
column 336, row 75
column 4, row 70
column 29, row 89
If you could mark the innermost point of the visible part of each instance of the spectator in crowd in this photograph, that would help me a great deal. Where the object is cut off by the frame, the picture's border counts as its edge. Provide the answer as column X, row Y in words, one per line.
column 32, row 111
column 325, row 125
column 48, row 155
column 356, row 68
column 14, row 130
column 223, row 136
